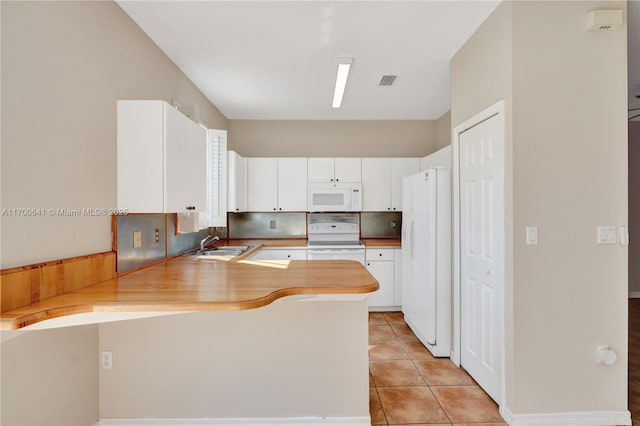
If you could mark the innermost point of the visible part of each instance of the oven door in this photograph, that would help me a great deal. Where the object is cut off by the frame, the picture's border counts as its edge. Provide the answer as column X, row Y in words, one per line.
column 356, row 254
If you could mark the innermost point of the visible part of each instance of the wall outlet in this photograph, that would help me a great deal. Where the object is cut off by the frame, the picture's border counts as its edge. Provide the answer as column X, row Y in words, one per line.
column 272, row 224
column 137, row 239
column 106, row 359
column 156, row 235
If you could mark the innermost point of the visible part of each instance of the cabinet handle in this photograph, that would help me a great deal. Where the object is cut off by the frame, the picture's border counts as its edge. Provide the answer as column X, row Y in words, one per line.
column 388, row 208
column 394, row 208
column 368, row 264
column 331, row 180
column 289, row 255
column 237, row 210
column 379, row 254
column 337, row 179
column 280, row 208
column 274, row 208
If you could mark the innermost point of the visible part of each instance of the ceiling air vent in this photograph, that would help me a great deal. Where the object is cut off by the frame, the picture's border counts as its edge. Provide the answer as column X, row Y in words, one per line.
column 387, row 80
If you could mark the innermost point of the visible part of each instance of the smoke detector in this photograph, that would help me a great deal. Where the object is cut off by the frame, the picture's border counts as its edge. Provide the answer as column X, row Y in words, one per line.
column 603, row 20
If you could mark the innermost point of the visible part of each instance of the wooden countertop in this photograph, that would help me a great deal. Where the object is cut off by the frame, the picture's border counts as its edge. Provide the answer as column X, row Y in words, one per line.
column 191, row 284
column 381, row 242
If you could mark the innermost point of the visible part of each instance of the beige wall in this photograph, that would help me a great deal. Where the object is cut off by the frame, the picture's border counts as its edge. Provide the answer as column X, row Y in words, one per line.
column 288, row 359
column 566, row 156
column 50, row 377
column 442, row 130
column 634, row 206
column 334, row 138
column 64, row 65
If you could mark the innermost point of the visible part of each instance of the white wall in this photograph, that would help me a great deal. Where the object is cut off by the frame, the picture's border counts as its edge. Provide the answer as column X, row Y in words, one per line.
column 64, row 65
column 566, row 172
column 287, row 359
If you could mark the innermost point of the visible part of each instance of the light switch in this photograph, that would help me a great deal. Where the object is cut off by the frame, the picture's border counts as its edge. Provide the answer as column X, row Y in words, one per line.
column 624, row 235
column 607, row 234
column 532, row 235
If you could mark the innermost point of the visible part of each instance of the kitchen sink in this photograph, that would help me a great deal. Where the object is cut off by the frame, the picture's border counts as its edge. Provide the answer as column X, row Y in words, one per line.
column 229, row 251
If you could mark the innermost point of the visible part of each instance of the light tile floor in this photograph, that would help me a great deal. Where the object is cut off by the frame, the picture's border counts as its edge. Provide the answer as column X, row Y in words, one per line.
column 409, row 386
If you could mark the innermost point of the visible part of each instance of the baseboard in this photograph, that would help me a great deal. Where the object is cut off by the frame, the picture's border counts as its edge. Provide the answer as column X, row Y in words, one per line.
column 575, row 418
column 289, row 421
column 634, row 295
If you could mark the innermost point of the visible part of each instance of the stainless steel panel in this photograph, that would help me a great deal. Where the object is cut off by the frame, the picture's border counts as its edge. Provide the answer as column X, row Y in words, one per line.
column 183, row 242
column 381, row 225
column 267, row 225
column 130, row 258
column 334, row 217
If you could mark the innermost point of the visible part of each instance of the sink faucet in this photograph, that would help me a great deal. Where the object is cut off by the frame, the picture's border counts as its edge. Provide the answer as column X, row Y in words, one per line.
column 206, row 240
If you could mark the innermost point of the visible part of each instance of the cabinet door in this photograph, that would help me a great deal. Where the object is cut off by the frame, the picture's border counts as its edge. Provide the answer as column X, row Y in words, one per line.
column 185, row 162
column 320, row 170
column 237, row 188
column 140, row 150
column 401, row 167
column 280, row 254
column 376, row 184
column 397, row 276
column 382, row 271
column 348, row 169
column 262, row 184
column 292, row 184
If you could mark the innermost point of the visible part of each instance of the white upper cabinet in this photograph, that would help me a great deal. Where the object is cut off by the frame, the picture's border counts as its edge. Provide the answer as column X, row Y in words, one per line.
column 292, row 184
column 382, row 182
column 277, row 184
column 161, row 159
column 262, row 184
column 400, row 168
column 237, row 187
column 346, row 169
column 376, row 187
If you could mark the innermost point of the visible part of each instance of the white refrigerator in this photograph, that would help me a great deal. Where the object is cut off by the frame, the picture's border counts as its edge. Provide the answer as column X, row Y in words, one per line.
column 426, row 258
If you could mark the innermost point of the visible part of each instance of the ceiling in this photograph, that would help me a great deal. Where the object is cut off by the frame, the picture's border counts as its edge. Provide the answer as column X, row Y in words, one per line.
column 277, row 59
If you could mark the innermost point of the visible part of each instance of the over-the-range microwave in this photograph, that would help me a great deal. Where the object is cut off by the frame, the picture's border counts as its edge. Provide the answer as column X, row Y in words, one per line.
column 335, row 197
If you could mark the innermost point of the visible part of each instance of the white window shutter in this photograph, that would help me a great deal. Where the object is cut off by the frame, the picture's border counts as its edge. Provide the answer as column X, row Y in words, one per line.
column 216, row 178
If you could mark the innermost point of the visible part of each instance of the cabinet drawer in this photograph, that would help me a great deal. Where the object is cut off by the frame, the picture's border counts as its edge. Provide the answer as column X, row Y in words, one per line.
column 379, row 254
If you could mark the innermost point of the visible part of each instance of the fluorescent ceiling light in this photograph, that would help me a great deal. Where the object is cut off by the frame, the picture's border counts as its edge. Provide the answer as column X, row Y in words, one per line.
column 341, row 81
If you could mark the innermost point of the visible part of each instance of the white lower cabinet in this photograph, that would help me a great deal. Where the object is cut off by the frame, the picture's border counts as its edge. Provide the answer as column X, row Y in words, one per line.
column 397, row 276
column 280, row 253
column 380, row 263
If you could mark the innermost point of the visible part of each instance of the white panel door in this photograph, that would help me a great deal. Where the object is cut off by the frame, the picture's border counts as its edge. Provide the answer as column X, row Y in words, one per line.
column 262, row 184
column 177, row 194
column 376, row 184
column 481, row 254
column 292, row 184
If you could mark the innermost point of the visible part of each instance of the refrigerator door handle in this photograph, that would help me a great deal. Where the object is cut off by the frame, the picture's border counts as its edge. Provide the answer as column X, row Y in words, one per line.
column 411, row 237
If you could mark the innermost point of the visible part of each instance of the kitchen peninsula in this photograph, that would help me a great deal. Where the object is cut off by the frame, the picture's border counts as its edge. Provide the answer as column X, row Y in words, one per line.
column 285, row 342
